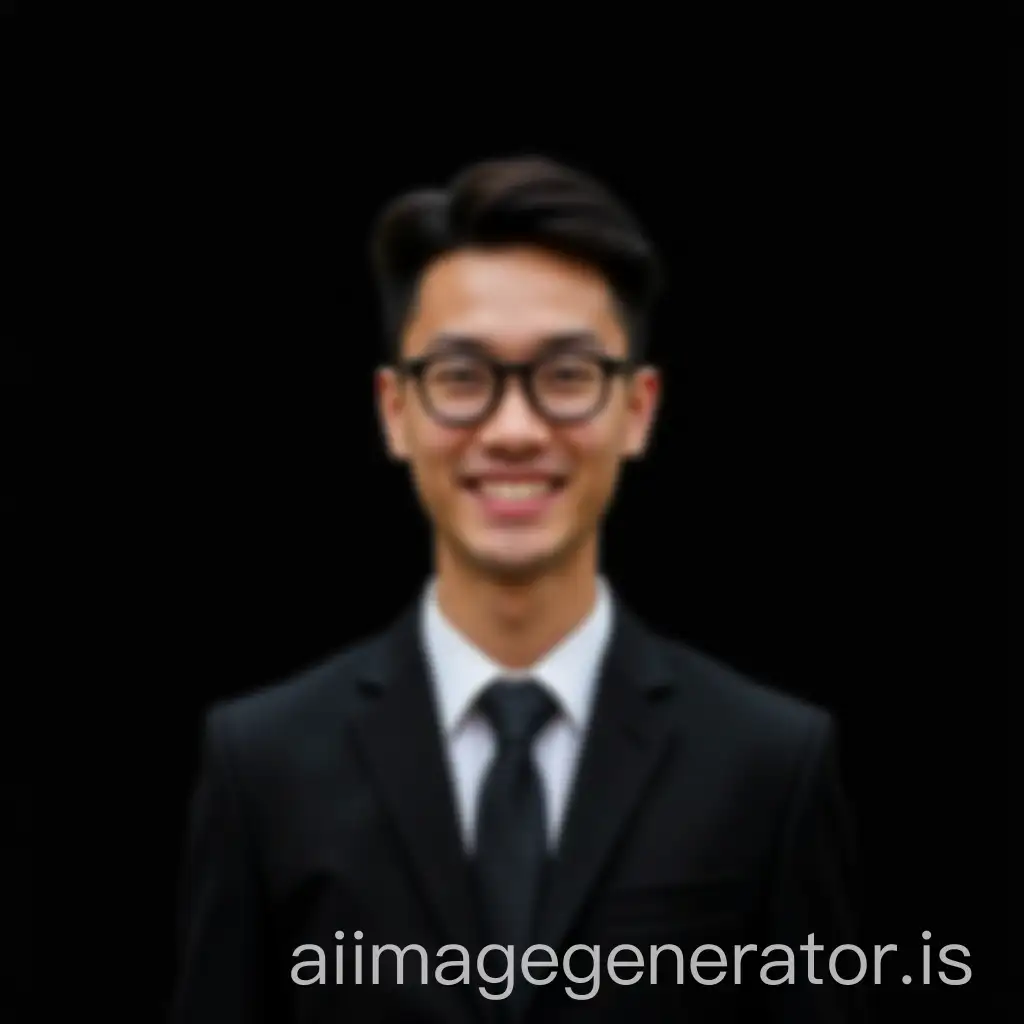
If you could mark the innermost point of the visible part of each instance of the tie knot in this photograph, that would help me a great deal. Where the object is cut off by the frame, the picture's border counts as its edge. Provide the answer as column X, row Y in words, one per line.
column 517, row 710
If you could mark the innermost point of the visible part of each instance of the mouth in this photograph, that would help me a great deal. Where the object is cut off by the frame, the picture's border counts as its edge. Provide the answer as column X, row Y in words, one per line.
column 515, row 499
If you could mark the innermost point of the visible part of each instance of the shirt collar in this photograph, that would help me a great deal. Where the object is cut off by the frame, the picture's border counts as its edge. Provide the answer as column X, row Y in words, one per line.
column 568, row 671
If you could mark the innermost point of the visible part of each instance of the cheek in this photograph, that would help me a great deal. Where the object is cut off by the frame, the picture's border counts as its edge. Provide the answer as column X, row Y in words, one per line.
column 595, row 449
column 596, row 469
column 435, row 454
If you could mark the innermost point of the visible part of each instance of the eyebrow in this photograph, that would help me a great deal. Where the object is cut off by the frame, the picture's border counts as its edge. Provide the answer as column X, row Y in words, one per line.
column 560, row 341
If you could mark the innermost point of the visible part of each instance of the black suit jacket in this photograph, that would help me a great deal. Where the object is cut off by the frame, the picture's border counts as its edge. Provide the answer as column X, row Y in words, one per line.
column 706, row 809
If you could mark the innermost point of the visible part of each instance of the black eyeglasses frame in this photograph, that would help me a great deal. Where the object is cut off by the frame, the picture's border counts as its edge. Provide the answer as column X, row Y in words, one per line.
column 525, row 373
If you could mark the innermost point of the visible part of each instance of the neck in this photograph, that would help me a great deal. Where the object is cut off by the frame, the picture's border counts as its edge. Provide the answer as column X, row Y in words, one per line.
column 516, row 624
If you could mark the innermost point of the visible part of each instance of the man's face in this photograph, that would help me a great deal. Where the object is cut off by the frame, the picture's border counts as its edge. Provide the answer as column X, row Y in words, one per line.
column 514, row 305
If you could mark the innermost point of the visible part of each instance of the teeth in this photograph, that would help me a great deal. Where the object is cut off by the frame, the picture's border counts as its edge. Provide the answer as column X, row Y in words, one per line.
column 514, row 492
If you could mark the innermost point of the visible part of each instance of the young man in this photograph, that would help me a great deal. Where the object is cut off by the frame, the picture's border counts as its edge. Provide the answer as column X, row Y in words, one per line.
column 517, row 760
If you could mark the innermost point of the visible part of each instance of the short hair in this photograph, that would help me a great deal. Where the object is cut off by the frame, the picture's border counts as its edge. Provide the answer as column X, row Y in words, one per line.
column 497, row 204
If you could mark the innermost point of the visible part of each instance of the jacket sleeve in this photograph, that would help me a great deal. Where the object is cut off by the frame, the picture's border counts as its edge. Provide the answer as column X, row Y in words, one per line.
column 814, row 893
column 221, row 924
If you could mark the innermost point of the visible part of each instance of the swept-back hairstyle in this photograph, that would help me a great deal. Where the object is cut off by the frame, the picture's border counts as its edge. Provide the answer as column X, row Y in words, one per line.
column 518, row 201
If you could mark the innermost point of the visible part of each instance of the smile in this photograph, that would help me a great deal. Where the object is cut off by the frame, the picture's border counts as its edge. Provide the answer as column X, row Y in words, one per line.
column 515, row 499
column 515, row 491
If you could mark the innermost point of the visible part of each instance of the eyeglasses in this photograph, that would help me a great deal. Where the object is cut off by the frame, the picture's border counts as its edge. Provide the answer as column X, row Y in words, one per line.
column 464, row 389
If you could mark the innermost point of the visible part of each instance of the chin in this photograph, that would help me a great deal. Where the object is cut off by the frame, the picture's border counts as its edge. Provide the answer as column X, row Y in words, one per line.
column 505, row 563
column 522, row 566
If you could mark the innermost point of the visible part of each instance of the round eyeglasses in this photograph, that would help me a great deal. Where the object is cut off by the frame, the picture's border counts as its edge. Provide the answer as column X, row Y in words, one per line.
column 461, row 389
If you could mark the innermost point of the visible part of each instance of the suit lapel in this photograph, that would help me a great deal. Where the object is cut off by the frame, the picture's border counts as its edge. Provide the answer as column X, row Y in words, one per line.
column 628, row 736
column 400, row 738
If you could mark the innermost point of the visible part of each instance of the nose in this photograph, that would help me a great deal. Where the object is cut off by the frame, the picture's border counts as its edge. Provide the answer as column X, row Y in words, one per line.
column 514, row 423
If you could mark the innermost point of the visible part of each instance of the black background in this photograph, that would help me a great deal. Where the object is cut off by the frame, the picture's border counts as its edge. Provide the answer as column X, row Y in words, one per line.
column 822, row 507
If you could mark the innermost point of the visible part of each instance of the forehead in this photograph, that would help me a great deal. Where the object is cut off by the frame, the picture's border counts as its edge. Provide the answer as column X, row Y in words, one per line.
column 511, row 300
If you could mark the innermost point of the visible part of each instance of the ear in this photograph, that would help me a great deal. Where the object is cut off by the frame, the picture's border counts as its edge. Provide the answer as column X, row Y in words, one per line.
column 391, row 396
column 642, row 404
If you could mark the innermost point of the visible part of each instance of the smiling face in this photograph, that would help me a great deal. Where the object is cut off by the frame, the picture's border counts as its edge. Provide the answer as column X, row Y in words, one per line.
column 516, row 495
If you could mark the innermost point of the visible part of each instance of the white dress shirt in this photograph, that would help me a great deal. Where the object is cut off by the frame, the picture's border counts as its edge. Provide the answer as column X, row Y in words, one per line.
column 462, row 671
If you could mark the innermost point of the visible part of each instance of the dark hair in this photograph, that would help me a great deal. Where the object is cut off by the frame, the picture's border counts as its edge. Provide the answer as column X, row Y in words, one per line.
column 518, row 201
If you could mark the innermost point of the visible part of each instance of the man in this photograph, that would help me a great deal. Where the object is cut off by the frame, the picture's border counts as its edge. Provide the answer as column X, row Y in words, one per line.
column 517, row 760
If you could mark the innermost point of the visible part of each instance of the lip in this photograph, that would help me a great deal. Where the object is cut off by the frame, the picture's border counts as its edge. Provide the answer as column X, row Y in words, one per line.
column 507, row 508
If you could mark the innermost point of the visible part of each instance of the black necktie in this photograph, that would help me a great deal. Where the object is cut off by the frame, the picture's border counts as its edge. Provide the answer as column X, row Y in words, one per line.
column 511, row 838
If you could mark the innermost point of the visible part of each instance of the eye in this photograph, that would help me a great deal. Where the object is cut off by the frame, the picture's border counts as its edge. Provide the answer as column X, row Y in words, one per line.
column 569, row 371
column 458, row 373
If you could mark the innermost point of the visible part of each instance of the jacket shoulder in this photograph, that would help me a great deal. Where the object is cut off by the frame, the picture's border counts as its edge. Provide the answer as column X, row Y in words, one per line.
column 294, row 705
column 730, row 702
